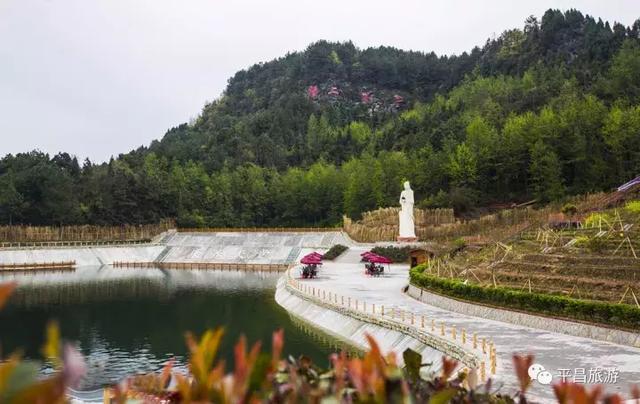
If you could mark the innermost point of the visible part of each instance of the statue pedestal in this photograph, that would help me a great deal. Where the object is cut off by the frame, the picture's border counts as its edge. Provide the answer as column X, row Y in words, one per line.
column 407, row 239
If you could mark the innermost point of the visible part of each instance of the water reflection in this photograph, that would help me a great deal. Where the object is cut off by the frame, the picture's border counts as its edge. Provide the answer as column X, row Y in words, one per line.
column 133, row 320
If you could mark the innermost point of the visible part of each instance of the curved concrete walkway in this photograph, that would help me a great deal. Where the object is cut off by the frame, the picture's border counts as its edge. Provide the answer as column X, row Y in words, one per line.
column 554, row 351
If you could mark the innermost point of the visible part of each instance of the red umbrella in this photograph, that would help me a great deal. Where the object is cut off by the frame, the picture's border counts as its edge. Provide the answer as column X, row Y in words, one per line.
column 311, row 260
column 368, row 255
column 313, row 255
column 373, row 257
column 379, row 259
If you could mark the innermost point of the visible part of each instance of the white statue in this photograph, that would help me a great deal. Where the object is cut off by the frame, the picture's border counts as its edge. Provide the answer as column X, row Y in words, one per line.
column 407, row 223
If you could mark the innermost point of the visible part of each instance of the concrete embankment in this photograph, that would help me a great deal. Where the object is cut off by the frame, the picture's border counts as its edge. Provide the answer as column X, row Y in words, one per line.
column 254, row 248
column 347, row 327
column 83, row 256
column 223, row 247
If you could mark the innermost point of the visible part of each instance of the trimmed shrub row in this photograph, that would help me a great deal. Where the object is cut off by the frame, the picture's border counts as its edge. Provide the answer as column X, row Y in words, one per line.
column 395, row 254
column 334, row 252
column 612, row 314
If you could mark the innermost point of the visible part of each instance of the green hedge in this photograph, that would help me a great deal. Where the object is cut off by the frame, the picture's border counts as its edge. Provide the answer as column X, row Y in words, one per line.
column 395, row 254
column 612, row 314
column 334, row 252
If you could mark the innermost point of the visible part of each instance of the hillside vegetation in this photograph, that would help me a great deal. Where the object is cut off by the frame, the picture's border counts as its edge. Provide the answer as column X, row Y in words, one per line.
column 582, row 265
column 545, row 111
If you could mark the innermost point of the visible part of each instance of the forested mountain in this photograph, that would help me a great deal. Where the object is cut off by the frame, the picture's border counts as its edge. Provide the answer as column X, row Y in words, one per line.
column 541, row 112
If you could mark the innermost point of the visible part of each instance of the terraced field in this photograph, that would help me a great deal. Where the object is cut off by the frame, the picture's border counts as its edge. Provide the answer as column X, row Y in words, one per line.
column 600, row 262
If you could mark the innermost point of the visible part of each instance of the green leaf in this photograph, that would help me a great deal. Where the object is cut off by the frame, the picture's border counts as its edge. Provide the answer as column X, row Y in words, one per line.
column 443, row 397
column 21, row 378
column 412, row 363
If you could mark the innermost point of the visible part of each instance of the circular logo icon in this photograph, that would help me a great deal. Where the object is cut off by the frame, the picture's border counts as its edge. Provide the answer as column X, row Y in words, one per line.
column 545, row 377
column 538, row 372
column 534, row 370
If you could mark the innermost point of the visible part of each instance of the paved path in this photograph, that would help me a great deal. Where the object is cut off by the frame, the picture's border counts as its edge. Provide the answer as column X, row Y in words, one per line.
column 554, row 351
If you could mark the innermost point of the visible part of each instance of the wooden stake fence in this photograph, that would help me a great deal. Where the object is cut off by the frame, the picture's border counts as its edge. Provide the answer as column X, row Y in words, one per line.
column 33, row 266
column 33, row 234
column 222, row 266
column 57, row 244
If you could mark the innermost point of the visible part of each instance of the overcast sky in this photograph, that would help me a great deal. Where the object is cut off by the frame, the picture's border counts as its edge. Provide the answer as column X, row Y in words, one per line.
column 99, row 77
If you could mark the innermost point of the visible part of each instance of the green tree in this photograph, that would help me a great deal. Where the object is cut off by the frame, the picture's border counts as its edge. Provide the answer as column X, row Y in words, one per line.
column 363, row 190
column 624, row 75
column 10, row 199
column 463, row 166
column 622, row 135
column 544, row 171
column 482, row 140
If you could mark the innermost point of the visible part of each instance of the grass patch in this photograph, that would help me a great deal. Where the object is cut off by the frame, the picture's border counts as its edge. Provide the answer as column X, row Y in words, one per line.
column 633, row 207
column 597, row 219
column 612, row 314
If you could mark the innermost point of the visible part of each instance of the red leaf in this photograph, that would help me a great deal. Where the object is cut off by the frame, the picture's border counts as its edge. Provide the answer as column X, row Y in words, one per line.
column 613, row 399
column 448, row 367
column 5, row 291
column 561, row 391
column 277, row 345
column 522, row 364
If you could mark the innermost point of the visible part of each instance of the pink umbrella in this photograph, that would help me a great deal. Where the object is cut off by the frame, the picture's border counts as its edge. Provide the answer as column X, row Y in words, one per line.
column 368, row 255
column 307, row 260
column 314, row 255
column 379, row 259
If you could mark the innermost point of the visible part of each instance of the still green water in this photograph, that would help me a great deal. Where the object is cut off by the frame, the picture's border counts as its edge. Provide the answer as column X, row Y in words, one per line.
column 127, row 321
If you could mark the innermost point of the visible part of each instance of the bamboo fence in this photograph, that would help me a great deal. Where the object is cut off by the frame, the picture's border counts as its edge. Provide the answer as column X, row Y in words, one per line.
column 258, row 230
column 439, row 224
column 37, row 234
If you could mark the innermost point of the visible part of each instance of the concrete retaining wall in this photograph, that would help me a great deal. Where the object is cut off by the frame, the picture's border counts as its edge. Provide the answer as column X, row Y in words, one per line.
column 352, row 330
column 527, row 320
column 352, row 326
column 247, row 248
column 254, row 247
column 83, row 256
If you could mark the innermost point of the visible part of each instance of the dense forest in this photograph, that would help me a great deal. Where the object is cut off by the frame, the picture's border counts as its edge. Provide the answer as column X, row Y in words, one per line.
column 542, row 112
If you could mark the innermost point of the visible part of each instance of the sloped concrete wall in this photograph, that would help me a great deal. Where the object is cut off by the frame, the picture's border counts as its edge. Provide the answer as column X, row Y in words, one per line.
column 353, row 330
column 83, row 256
column 229, row 247
column 254, row 248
